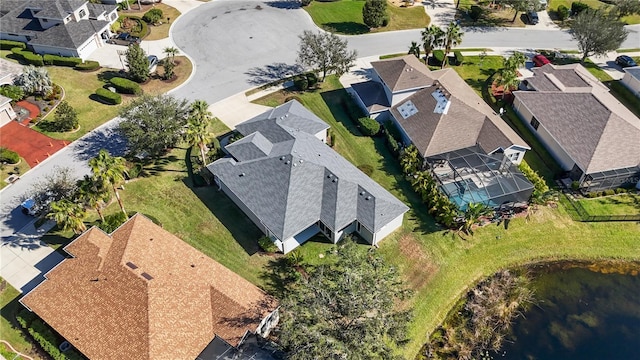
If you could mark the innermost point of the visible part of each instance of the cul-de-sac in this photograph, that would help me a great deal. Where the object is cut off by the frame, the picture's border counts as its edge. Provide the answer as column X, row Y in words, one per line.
column 319, row 179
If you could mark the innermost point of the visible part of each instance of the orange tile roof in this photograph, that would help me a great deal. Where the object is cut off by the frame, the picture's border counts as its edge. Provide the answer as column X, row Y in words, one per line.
column 142, row 293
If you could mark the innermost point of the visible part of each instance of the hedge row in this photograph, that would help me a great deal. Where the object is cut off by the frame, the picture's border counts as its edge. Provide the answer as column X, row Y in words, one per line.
column 539, row 185
column 438, row 55
column 8, row 45
column 28, row 56
column 44, row 336
column 108, row 96
column 459, row 57
column 126, row 86
column 392, row 143
column 8, row 156
column 368, row 126
column 88, row 65
column 61, row 60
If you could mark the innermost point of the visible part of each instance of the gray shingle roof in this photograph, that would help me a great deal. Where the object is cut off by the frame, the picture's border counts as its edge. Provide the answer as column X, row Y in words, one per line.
column 17, row 19
column 633, row 71
column 594, row 128
column 403, row 73
column 302, row 180
column 468, row 121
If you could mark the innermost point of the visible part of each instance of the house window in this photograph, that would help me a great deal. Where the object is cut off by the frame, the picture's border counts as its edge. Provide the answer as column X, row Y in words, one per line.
column 514, row 157
column 45, row 20
column 358, row 226
column 535, row 123
column 82, row 13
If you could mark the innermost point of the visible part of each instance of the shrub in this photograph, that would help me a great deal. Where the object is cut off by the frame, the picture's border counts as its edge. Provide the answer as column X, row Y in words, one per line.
column 577, row 7
column 475, row 13
column 126, row 86
column 438, row 55
column 301, row 83
column 540, row 187
column 305, row 2
column 48, row 340
column 609, row 192
column 9, row 45
column 108, row 96
column 13, row 92
column 267, row 244
column 49, row 59
column 8, row 156
column 592, row 195
column 134, row 171
column 141, row 30
column 312, row 79
column 66, row 118
column 152, row 16
column 392, row 143
column 28, row 56
column 620, row 190
column 459, row 57
column 367, row 169
column 112, row 222
column 368, row 126
column 88, row 65
column 575, row 185
column 563, row 12
column 168, row 70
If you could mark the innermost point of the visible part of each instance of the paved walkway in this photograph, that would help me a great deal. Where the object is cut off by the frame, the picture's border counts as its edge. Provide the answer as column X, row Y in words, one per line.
column 441, row 12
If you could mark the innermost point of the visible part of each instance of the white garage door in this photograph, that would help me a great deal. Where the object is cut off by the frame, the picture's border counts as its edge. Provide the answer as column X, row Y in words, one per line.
column 88, row 48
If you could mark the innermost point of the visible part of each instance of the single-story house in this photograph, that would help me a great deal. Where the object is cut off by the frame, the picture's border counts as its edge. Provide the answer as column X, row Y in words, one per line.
column 593, row 136
column 6, row 110
column 471, row 151
column 631, row 79
column 59, row 27
column 142, row 293
column 293, row 186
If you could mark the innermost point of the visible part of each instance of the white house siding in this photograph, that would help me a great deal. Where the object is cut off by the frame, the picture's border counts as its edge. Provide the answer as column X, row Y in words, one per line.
column 366, row 234
column 340, row 234
column 44, row 49
column 322, row 135
column 6, row 114
column 632, row 84
column 511, row 152
column 387, row 229
column 558, row 153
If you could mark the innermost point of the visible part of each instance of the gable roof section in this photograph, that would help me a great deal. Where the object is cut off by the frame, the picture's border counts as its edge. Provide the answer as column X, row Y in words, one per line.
column 142, row 293
column 403, row 73
column 468, row 121
column 593, row 127
column 302, row 181
column 633, row 71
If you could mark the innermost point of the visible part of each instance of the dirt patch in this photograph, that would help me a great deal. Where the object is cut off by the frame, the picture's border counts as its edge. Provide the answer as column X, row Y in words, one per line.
column 420, row 267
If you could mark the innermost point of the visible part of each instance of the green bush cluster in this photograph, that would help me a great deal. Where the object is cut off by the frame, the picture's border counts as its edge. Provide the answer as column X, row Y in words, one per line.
column 108, row 96
column 28, row 56
column 368, row 126
column 301, row 83
column 563, row 12
column 141, row 30
column 312, row 78
column 126, row 86
column 438, row 55
column 88, row 65
column 540, row 187
column 9, row 45
column 152, row 16
column 49, row 59
column 134, row 171
column 45, row 337
column 459, row 57
column 577, row 7
column 475, row 13
column 392, row 143
column 608, row 192
column 8, row 156
column 112, row 222
column 267, row 244
column 13, row 92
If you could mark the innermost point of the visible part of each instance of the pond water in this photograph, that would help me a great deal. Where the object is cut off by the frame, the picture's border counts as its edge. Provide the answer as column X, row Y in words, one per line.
column 579, row 314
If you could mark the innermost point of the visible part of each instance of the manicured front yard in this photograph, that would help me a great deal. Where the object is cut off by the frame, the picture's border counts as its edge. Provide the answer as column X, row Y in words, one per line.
column 345, row 17
column 160, row 31
column 594, row 4
column 8, row 307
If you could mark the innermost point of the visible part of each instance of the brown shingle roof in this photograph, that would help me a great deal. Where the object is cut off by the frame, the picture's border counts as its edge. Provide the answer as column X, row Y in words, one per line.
column 142, row 293
column 464, row 125
column 403, row 73
column 592, row 126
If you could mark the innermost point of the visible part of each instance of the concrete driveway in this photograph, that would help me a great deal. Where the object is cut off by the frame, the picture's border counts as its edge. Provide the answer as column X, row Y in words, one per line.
column 238, row 44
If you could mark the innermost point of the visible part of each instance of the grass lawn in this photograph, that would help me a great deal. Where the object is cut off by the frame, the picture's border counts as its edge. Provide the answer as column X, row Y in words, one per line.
column 80, row 86
column 8, row 332
column 345, row 17
column 622, row 204
column 594, row 4
column 6, row 170
column 490, row 16
column 160, row 31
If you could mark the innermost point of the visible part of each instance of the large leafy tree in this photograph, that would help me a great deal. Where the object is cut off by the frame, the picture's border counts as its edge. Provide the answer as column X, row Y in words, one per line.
column 452, row 38
column 68, row 215
column 374, row 13
column 34, row 80
column 94, row 193
column 152, row 124
column 597, row 32
column 197, row 132
column 66, row 117
column 521, row 6
column 432, row 37
column 508, row 75
column 59, row 184
column 626, row 7
column 345, row 310
column 138, row 63
column 325, row 52
column 110, row 170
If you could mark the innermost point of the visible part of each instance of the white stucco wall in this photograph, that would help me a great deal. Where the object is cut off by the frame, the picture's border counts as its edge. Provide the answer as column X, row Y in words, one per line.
column 43, row 49
column 6, row 114
column 632, row 84
column 322, row 135
column 510, row 152
column 387, row 229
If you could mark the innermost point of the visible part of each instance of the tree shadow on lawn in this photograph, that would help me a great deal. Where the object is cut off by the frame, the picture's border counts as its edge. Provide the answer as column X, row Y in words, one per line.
column 347, row 27
column 335, row 102
column 272, row 72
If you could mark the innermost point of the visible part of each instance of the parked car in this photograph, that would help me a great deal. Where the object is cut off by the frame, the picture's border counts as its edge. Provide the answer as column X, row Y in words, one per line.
column 28, row 207
column 125, row 39
column 532, row 17
column 625, row 61
column 153, row 62
column 540, row 60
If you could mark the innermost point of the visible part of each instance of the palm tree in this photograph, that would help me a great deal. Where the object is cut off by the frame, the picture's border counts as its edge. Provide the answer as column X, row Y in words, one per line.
column 509, row 80
column 94, row 193
column 171, row 53
column 432, row 37
column 410, row 160
column 34, row 80
column 111, row 170
column 452, row 38
column 515, row 61
column 472, row 215
column 68, row 215
column 197, row 133
column 414, row 49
